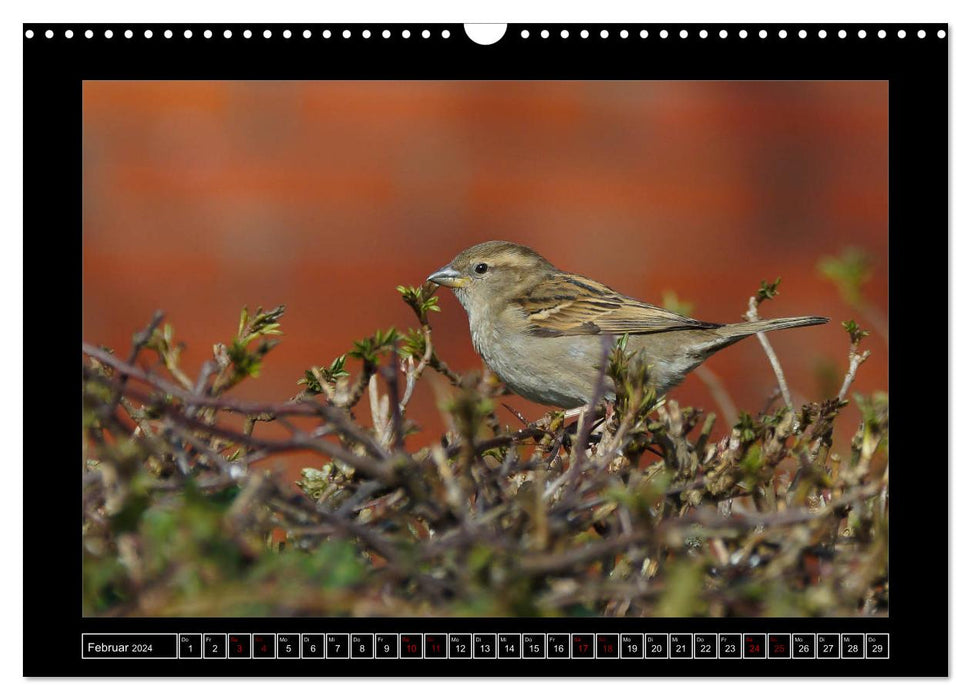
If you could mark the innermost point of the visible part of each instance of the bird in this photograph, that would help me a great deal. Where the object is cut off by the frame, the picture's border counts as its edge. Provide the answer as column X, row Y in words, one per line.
column 541, row 330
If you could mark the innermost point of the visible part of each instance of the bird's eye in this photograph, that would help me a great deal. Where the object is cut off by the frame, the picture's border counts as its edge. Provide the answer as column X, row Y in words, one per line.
column 481, row 268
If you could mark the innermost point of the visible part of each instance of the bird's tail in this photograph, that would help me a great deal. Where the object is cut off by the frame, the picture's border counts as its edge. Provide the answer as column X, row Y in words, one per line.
column 733, row 332
column 745, row 328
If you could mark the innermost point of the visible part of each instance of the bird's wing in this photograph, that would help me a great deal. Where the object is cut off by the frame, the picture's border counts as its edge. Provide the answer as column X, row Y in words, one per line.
column 573, row 305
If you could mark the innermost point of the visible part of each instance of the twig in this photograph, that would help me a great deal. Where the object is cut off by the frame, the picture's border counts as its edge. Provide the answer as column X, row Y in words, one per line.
column 302, row 407
column 856, row 359
column 387, row 549
column 753, row 315
column 139, row 341
column 413, row 373
column 712, row 519
column 356, row 392
column 227, row 468
column 338, row 522
column 380, row 470
column 554, row 563
column 719, row 393
column 519, row 416
column 500, row 441
column 439, row 366
column 617, row 443
column 390, row 376
column 586, row 420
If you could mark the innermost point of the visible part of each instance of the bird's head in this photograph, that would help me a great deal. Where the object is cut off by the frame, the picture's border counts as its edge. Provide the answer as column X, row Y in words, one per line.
column 491, row 273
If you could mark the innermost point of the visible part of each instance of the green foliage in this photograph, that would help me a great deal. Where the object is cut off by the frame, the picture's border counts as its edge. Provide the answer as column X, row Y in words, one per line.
column 745, row 427
column 874, row 426
column 767, row 290
column 413, row 344
column 750, row 429
column 262, row 323
column 849, row 272
column 856, row 333
column 162, row 342
column 247, row 362
column 682, row 597
column 104, row 583
column 315, row 378
column 421, row 300
column 369, row 350
column 874, row 408
column 327, row 484
column 671, row 302
column 191, row 548
column 332, row 565
column 631, row 375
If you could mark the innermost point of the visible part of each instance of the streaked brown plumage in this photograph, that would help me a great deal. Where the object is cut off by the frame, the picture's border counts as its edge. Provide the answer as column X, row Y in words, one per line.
column 540, row 329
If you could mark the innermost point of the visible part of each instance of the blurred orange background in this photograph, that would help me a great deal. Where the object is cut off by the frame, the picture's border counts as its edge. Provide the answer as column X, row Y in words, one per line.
column 200, row 197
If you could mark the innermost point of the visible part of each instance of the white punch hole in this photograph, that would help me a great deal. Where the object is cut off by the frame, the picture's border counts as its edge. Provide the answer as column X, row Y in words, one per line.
column 484, row 34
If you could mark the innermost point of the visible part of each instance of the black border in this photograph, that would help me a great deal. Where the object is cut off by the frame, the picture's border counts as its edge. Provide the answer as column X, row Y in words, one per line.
column 917, row 71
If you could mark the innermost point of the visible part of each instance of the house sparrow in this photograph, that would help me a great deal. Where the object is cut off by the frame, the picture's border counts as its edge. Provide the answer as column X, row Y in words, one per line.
column 540, row 329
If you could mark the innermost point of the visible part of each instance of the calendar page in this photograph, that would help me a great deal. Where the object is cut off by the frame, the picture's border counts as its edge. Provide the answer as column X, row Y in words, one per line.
column 489, row 347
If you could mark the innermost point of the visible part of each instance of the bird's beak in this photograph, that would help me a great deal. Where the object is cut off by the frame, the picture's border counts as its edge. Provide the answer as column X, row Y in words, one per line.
column 448, row 277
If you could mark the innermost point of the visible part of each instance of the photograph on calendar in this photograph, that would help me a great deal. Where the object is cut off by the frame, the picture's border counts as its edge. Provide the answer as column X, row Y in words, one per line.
column 485, row 348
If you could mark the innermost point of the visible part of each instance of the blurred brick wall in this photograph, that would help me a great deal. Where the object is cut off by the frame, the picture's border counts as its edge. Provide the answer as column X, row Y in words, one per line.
column 200, row 197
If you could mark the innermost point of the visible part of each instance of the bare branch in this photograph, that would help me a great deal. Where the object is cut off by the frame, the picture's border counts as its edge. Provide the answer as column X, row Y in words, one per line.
column 719, row 393
column 753, row 315
column 856, row 359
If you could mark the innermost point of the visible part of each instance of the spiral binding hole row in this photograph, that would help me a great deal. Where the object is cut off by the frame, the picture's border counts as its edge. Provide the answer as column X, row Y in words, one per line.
column 445, row 34
column 246, row 34
column 724, row 34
